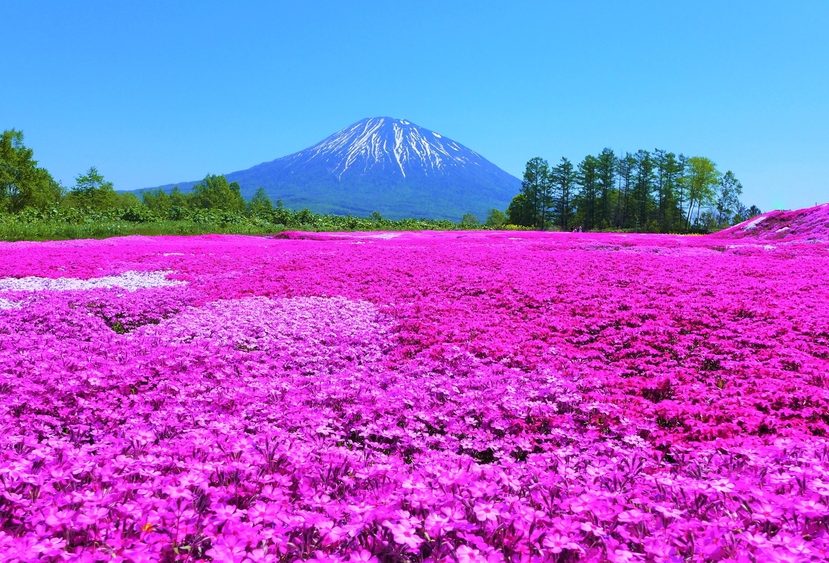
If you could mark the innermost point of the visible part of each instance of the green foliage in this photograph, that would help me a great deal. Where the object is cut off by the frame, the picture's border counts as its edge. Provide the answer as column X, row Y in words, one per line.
column 469, row 221
column 605, row 175
column 537, row 187
column 587, row 178
column 496, row 219
column 520, row 211
column 23, row 183
column 214, row 192
column 728, row 198
column 93, row 192
column 33, row 207
column 564, row 185
column 701, row 179
column 752, row 211
column 642, row 191
column 260, row 204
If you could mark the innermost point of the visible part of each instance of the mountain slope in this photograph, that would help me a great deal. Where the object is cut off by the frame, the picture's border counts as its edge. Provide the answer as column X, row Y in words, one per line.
column 382, row 164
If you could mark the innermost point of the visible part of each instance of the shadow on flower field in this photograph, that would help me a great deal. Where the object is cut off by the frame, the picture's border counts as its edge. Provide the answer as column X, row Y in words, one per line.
column 428, row 396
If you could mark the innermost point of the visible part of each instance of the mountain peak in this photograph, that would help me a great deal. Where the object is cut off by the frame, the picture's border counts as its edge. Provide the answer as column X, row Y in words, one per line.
column 383, row 164
column 384, row 119
column 395, row 146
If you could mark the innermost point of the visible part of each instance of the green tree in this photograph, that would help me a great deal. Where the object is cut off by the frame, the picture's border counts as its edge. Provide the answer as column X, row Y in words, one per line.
column 564, row 192
column 753, row 211
column 260, row 204
column 496, row 219
column 643, row 189
column 537, row 189
column 700, row 180
column 157, row 202
column 669, row 170
column 93, row 192
column 469, row 221
column 728, row 198
column 625, row 166
column 214, row 192
column 22, row 182
column 587, row 179
column 605, row 177
column 520, row 211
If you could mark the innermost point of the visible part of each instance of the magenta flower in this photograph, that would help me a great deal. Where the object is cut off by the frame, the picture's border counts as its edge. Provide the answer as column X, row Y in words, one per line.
column 404, row 534
column 486, row 512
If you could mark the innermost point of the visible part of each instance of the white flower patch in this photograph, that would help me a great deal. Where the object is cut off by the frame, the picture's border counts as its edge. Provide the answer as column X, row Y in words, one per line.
column 753, row 224
column 131, row 281
column 6, row 304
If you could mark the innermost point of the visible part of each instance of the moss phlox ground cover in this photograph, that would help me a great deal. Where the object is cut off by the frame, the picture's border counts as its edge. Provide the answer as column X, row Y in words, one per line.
column 415, row 397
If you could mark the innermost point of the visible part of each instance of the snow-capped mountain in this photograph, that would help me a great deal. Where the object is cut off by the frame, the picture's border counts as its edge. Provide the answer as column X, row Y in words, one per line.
column 395, row 146
column 387, row 165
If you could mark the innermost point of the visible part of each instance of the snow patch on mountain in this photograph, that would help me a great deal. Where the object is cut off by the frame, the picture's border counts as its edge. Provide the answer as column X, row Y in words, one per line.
column 396, row 145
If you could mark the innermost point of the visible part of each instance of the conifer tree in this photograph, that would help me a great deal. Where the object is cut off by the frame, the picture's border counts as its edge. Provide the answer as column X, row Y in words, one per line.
column 564, row 185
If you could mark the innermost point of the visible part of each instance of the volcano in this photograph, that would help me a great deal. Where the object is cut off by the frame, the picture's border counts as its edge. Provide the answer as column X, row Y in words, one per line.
column 391, row 166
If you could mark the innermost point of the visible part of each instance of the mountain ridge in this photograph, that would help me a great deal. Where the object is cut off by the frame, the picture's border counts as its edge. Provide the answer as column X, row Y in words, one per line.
column 382, row 164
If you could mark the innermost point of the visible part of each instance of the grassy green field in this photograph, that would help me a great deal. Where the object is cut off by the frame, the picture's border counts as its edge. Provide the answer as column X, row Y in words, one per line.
column 13, row 228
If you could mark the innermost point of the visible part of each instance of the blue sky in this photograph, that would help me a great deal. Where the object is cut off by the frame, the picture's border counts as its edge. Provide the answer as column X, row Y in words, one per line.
column 158, row 92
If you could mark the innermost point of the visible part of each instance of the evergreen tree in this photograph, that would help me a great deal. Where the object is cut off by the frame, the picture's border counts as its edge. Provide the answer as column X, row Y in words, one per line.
column 646, row 191
column 537, row 189
column 643, row 189
column 564, row 185
column 741, row 213
column 671, row 168
column 753, row 211
column 728, row 198
column 625, row 167
column 665, row 201
column 587, row 179
column 605, row 176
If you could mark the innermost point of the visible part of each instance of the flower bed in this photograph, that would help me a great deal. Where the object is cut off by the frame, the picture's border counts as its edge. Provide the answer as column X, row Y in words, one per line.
column 423, row 396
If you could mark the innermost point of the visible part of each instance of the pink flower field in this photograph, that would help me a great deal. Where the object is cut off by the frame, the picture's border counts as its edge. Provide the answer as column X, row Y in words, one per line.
column 460, row 396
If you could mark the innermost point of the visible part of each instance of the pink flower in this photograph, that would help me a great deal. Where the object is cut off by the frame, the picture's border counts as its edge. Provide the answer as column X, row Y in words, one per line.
column 466, row 554
column 557, row 543
column 404, row 534
column 632, row 516
column 436, row 524
column 229, row 549
column 486, row 512
column 362, row 556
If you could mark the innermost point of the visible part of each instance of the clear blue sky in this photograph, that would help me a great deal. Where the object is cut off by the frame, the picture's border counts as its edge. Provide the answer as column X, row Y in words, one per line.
column 158, row 92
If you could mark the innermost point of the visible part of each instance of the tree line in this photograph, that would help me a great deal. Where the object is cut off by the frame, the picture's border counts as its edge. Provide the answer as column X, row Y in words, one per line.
column 33, row 205
column 25, row 186
column 654, row 191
